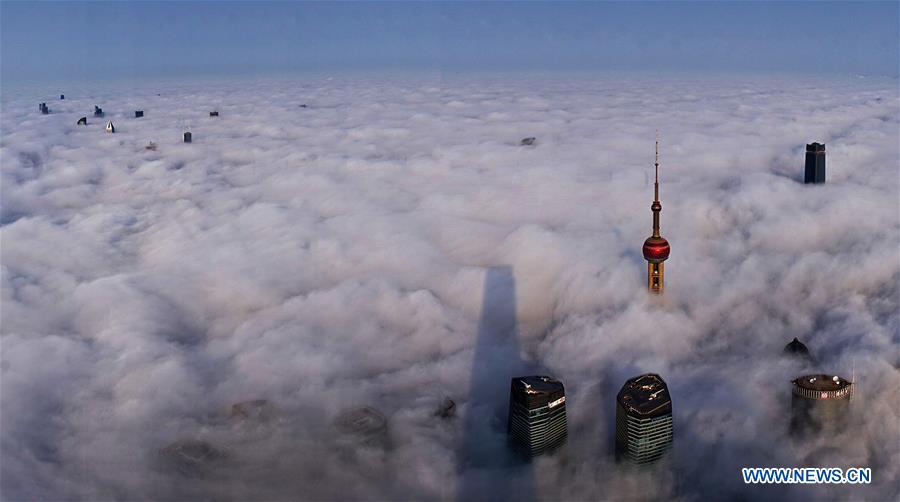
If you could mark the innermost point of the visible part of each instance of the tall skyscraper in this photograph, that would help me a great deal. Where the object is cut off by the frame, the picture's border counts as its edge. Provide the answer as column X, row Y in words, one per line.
column 537, row 413
column 819, row 403
column 656, row 248
column 815, row 163
column 643, row 419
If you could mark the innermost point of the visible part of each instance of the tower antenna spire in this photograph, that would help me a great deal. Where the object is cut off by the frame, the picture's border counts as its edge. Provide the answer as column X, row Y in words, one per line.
column 656, row 166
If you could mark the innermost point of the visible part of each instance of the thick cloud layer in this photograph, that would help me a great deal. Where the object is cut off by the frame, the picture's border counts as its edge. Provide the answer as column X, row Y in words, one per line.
column 390, row 245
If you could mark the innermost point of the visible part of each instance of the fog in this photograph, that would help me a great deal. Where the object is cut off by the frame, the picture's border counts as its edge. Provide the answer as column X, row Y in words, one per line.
column 391, row 244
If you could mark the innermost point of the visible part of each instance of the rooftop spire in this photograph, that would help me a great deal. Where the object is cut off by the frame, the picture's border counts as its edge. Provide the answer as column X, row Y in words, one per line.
column 656, row 207
column 656, row 164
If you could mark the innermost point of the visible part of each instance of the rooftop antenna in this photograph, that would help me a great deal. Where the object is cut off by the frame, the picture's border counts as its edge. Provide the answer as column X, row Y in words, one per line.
column 656, row 165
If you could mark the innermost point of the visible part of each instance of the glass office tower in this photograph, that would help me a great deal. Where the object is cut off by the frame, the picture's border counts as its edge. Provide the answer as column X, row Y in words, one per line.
column 643, row 419
column 537, row 414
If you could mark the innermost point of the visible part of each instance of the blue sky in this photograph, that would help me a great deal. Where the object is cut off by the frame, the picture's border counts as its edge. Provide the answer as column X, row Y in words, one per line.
column 84, row 40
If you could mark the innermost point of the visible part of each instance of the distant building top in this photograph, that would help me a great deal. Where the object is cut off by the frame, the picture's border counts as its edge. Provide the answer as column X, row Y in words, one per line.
column 646, row 395
column 446, row 409
column 192, row 458
column 363, row 421
column 796, row 348
column 815, row 147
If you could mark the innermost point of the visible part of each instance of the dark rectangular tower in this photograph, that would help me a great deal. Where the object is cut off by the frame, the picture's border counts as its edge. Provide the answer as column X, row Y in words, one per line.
column 643, row 419
column 815, row 163
column 537, row 414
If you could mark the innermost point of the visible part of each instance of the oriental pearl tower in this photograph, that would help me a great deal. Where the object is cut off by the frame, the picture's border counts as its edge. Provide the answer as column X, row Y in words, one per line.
column 656, row 248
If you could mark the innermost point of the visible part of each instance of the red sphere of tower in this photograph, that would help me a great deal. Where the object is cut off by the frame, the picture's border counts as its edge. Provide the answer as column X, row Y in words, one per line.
column 656, row 249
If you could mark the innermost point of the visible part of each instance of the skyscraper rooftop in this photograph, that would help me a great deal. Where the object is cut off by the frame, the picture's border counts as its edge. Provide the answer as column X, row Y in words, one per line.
column 537, row 390
column 645, row 395
column 798, row 350
column 795, row 346
column 827, row 386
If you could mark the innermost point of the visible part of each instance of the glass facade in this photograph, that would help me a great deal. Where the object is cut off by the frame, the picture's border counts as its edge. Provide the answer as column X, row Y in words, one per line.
column 643, row 440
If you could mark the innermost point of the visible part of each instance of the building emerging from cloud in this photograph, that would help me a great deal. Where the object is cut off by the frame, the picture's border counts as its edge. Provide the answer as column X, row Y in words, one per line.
column 643, row 419
column 819, row 403
column 815, row 163
column 537, row 414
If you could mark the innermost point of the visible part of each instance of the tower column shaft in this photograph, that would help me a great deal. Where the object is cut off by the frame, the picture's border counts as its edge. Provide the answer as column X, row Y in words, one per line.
column 655, row 275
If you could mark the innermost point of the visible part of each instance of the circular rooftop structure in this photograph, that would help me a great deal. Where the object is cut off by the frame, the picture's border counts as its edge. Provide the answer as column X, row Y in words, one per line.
column 822, row 387
column 656, row 249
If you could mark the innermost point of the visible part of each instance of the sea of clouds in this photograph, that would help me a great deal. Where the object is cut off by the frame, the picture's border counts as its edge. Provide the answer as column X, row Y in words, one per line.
column 391, row 245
